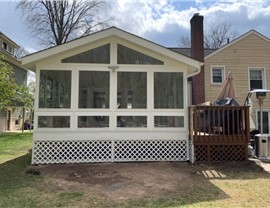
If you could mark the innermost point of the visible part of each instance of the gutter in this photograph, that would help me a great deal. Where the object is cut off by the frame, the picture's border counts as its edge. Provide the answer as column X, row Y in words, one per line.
column 196, row 72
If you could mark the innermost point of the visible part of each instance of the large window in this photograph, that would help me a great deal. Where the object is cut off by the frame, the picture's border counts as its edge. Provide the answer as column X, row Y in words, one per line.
column 131, row 90
column 127, row 55
column 169, row 121
column 256, row 78
column 100, row 55
column 217, row 74
column 94, row 89
column 53, row 121
column 93, row 121
column 54, row 89
column 168, row 90
column 132, row 121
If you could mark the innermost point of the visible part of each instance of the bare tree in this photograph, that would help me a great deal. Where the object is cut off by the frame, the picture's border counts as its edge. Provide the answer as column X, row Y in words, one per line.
column 184, row 41
column 215, row 37
column 20, row 52
column 56, row 22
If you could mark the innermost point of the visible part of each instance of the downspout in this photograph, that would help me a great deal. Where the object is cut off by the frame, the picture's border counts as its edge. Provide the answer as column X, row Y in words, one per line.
column 196, row 72
column 189, row 112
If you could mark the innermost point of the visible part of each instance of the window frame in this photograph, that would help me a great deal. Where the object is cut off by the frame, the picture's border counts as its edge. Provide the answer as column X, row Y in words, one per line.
column 265, row 112
column 262, row 69
column 222, row 68
column 49, row 95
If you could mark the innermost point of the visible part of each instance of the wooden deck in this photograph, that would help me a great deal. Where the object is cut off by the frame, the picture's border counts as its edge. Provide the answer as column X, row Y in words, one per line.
column 219, row 133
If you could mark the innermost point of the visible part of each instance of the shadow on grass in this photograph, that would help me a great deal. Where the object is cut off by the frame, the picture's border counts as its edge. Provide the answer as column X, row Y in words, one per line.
column 194, row 187
column 12, row 172
column 232, row 170
column 198, row 188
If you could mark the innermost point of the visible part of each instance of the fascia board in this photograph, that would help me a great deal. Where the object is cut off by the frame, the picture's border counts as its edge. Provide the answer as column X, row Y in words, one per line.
column 51, row 52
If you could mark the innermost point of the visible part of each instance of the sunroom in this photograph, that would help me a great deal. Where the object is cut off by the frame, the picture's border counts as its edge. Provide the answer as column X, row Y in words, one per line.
column 111, row 97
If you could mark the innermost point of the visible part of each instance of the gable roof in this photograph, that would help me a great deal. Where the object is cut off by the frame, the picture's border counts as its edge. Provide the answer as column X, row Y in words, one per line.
column 236, row 40
column 10, row 58
column 8, row 40
column 31, row 60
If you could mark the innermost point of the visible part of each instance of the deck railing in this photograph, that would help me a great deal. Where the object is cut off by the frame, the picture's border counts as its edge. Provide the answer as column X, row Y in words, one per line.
column 217, row 130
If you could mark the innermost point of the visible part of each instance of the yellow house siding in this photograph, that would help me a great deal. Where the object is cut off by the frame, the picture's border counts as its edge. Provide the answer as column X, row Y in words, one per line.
column 250, row 51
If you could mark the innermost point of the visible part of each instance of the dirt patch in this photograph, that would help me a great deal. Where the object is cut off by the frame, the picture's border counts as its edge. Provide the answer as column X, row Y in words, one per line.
column 122, row 181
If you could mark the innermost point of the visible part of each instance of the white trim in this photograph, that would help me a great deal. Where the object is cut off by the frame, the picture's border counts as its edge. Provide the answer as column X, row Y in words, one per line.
column 31, row 60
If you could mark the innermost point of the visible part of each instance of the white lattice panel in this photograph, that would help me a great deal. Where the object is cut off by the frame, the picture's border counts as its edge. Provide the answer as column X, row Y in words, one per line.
column 145, row 150
column 45, row 152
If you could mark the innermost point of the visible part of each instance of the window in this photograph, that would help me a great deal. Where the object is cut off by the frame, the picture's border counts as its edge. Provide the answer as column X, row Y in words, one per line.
column 53, row 121
column 169, row 121
column 132, row 121
column 4, row 46
column 217, row 74
column 10, row 49
column 265, row 118
column 94, row 88
column 131, row 90
column 93, row 121
column 54, row 89
column 256, row 78
column 100, row 55
column 127, row 55
column 168, row 90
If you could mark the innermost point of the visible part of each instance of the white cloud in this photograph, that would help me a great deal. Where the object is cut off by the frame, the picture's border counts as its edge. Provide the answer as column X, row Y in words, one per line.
column 162, row 21
column 152, row 18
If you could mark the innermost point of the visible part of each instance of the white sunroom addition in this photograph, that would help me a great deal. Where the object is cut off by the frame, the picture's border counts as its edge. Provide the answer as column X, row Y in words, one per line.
column 110, row 97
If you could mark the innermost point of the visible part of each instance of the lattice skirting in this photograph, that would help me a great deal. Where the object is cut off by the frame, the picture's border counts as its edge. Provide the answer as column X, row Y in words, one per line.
column 220, row 152
column 45, row 152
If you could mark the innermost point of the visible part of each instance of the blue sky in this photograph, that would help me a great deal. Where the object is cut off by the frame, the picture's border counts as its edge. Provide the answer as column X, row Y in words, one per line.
column 160, row 21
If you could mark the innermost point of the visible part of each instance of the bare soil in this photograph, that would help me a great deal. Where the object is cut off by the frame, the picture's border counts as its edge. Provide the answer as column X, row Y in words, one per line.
column 124, row 181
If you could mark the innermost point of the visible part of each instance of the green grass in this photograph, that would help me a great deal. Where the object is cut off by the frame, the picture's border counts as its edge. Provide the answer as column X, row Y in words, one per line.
column 21, row 185
column 13, row 145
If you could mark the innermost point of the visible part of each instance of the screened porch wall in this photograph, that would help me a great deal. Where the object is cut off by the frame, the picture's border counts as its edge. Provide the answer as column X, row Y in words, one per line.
column 154, row 111
column 158, row 105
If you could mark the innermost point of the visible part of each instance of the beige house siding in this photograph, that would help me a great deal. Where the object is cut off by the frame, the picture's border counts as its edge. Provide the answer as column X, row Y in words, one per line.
column 249, row 51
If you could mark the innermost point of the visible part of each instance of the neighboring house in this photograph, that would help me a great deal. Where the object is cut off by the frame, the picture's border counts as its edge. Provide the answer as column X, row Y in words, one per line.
column 248, row 58
column 12, row 119
column 111, row 96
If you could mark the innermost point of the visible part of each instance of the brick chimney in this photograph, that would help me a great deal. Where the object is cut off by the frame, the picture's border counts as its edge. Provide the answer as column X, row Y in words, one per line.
column 197, row 52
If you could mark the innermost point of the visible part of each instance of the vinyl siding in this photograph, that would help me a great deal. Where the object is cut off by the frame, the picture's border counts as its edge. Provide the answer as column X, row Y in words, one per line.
column 251, row 51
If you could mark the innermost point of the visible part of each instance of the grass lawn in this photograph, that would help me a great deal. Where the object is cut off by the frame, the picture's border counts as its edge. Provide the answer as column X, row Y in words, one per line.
column 13, row 145
column 202, row 185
